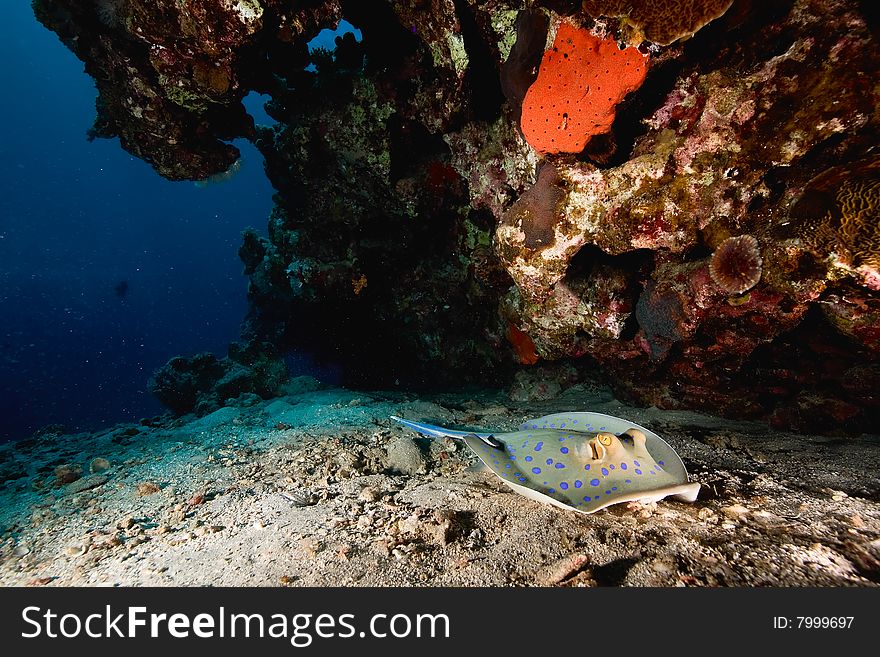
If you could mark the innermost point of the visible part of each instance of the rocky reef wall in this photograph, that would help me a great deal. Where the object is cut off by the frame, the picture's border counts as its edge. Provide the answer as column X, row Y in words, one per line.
column 716, row 248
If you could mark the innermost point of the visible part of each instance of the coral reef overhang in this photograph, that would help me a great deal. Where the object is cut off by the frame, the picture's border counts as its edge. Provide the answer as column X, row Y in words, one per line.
column 417, row 237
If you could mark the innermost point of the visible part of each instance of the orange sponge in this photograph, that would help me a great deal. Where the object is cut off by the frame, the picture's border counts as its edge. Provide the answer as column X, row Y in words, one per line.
column 580, row 82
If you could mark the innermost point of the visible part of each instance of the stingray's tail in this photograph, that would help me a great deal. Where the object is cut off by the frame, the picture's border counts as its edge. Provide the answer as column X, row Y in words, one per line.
column 438, row 432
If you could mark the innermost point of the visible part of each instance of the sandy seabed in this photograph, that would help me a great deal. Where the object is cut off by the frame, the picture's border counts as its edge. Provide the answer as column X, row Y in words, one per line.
column 321, row 488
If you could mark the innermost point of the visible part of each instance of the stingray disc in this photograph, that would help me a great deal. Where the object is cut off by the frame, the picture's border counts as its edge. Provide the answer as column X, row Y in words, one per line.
column 579, row 461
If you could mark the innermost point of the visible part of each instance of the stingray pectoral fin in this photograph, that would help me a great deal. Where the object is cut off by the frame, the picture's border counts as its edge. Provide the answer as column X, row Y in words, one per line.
column 683, row 492
column 688, row 492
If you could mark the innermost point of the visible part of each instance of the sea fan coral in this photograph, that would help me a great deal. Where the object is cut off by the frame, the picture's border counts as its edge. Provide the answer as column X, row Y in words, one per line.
column 660, row 21
column 736, row 264
column 581, row 80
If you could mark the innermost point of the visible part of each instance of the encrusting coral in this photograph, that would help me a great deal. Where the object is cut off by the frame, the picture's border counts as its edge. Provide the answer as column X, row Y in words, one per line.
column 736, row 264
column 660, row 21
column 841, row 208
column 581, row 80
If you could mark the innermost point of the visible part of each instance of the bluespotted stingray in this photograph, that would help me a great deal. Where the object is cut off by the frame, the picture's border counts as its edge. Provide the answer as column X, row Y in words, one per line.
column 580, row 461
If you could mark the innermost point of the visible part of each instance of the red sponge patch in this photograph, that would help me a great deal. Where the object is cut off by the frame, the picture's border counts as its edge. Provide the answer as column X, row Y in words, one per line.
column 580, row 82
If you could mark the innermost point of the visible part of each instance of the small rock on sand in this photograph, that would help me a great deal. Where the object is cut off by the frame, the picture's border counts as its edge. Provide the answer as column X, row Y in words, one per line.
column 67, row 472
column 147, row 488
column 560, row 570
column 404, row 456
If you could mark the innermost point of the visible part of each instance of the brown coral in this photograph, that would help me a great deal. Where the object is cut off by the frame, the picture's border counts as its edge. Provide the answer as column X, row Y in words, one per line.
column 581, row 80
column 660, row 21
column 840, row 209
column 736, row 264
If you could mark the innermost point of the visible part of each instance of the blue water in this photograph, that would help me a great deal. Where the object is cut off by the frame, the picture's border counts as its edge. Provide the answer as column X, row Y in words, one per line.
column 76, row 219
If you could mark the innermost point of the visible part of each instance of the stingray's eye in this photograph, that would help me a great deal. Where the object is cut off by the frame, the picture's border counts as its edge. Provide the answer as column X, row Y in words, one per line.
column 605, row 439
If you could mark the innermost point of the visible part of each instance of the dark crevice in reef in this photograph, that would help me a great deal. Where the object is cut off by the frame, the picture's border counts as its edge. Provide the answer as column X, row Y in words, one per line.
column 482, row 75
column 412, row 147
column 388, row 44
column 750, row 33
column 520, row 69
column 589, row 256
column 629, row 122
column 871, row 12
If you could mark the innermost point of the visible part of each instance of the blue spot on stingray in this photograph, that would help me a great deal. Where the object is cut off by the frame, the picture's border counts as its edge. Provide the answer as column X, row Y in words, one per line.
column 587, row 466
column 578, row 483
column 587, row 498
column 574, row 421
column 611, row 465
column 623, row 466
column 536, row 470
column 562, row 426
column 495, row 462
column 601, row 428
column 563, row 485
column 629, row 481
column 534, row 426
column 539, row 446
column 605, row 471
column 594, row 482
column 551, row 490
column 614, row 488
column 564, row 450
column 528, row 458
column 553, row 426
column 661, row 462
column 559, row 466
column 637, row 464
column 507, row 466
column 549, row 461
column 638, row 471
column 608, row 492
column 513, row 458
column 598, row 497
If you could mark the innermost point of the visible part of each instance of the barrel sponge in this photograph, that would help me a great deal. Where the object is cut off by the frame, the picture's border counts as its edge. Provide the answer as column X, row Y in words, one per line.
column 581, row 80
column 660, row 21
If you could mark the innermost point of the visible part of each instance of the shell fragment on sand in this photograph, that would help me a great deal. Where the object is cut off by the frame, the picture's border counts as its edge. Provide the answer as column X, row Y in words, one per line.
column 581, row 461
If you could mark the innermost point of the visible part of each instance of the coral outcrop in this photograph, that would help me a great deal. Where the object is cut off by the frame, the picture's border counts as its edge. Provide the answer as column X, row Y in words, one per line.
column 708, row 238
column 203, row 382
